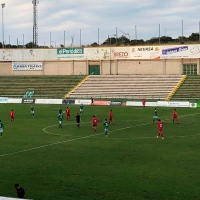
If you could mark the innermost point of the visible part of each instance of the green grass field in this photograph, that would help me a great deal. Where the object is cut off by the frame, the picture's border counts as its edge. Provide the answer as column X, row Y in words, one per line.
column 71, row 163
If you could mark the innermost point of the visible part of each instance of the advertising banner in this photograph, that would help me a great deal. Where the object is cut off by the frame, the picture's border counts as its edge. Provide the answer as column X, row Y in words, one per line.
column 120, row 52
column 28, row 101
column 115, row 103
column 174, row 104
column 102, row 103
column 68, row 101
column 97, row 53
column 28, row 66
column 14, row 100
column 48, row 101
column 138, row 103
column 145, row 52
column 70, row 53
column 82, row 101
column 180, row 51
column 3, row 99
column 193, row 105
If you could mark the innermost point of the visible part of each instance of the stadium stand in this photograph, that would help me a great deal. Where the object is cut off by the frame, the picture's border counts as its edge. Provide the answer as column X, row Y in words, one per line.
column 189, row 90
column 127, row 86
column 44, row 86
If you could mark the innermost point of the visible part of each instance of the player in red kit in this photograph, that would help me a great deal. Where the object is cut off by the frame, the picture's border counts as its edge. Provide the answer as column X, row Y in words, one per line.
column 175, row 116
column 67, row 111
column 12, row 115
column 110, row 117
column 95, row 121
column 143, row 102
column 160, row 129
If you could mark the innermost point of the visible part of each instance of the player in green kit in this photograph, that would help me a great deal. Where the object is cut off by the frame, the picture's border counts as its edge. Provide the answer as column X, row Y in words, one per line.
column 60, row 110
column 155, row 117
column 1, row 128
column 32, row 111
column 81, row 109
column 105, row 123
column 60, row 118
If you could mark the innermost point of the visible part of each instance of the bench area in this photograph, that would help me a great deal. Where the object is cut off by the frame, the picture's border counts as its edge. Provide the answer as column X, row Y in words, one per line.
column 189, row 90
column 127, row 87
column 44, row 86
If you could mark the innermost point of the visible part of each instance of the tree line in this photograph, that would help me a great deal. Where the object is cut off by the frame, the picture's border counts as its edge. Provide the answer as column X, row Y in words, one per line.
column 124, row 41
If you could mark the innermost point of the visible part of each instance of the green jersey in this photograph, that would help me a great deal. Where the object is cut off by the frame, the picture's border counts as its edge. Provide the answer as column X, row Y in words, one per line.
column 32, row 108
column 105, row 124
column 60, row 110
column 155, row 113
column 1, row 125
column 81, row 107
column 60, row 117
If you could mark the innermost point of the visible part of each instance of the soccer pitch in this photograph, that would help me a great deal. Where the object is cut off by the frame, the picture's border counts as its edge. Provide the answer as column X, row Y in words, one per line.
column 77, row 163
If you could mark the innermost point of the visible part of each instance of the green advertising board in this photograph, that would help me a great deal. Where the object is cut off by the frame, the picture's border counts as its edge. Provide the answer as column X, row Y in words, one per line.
column 70, row 53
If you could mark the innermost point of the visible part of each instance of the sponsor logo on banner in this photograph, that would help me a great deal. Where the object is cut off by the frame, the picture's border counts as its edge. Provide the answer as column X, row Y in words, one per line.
column 193, row 105
column 48, row 101
column 114, row 103
column 173, row 103
column 82, row 101
column 70, row 53
column 120, row 53
column 27, row 101
column 68, row 101
column 102, row 103
column 17, row 66
column 3, row 99
column 150, row 52
column 174, row 50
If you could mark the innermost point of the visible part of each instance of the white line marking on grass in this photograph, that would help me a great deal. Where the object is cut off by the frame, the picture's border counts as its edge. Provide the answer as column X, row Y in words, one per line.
column 84, row 137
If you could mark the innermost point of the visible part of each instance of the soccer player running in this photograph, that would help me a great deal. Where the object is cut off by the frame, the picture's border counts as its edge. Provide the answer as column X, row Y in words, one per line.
column 1, row 128
column 32, row 111
column 78, row 120
column 143, row 103
column 60, row 110
column 155, row 116
column 111, row 117
column 81, row 109
column 60, row 118
column 160, row 129
column 12, row 115
column 105, row 123
column 175, row 116
column 67, row 111
column 95, row 121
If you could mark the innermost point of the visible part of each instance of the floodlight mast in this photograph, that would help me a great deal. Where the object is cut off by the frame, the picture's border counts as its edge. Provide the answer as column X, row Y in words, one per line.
column 35, row 23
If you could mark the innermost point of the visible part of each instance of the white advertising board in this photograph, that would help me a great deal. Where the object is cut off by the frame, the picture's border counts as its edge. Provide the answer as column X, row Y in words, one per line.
column 14, row 100
column 138, row 103
column 3, row 99
column 28, row 54
column 97, row 53
column 48, row 101
column 82, row 101
column 27, row 66
column 193, row 105
column 173, row 104
column 120, row 52
column 145, row 52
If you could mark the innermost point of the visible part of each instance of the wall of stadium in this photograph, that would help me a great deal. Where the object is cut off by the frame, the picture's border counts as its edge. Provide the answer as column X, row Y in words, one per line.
column 112, row 60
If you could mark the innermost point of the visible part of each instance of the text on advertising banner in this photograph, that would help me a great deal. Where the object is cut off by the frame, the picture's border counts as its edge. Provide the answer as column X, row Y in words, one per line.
column 23, row 66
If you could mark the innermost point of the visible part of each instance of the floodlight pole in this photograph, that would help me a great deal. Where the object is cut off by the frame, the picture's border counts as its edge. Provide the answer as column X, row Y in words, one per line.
column 3, row 6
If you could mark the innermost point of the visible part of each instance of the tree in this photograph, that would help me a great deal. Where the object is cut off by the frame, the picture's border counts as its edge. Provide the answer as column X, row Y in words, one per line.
column 194, row 37
column 94, row 44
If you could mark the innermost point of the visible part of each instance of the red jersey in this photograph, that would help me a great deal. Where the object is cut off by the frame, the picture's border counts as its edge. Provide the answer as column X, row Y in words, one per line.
column 175, row 113
column 160, row 125
column 110, row 115
column 95, row 121
column 143, row 102
column 11, row 113
column 67, row 111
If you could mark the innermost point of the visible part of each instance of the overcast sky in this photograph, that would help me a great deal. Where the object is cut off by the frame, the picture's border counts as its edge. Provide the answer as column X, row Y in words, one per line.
column 57, row 16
